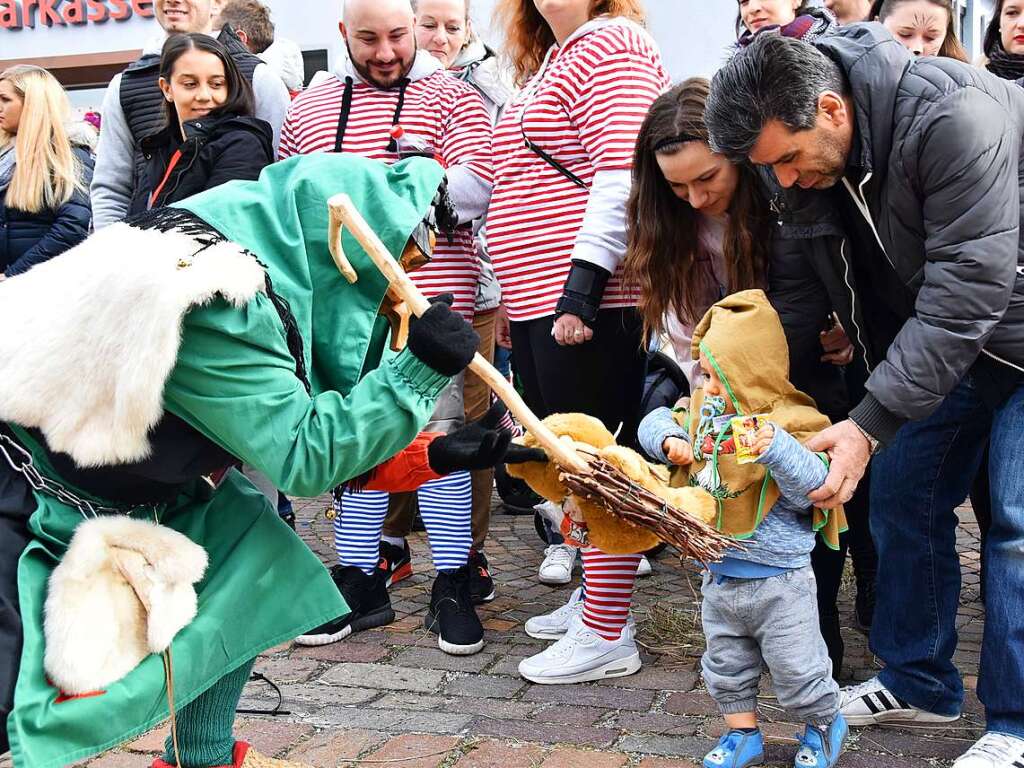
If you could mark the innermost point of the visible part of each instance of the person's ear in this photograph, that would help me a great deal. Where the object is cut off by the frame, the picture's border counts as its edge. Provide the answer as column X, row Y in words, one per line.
column 833, row 107
column 166, row 88
column 341, row 28
column 243, row 37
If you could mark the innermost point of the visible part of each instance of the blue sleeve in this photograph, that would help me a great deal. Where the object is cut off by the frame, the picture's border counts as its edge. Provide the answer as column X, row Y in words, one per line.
column 796, row 470
column 656, row 427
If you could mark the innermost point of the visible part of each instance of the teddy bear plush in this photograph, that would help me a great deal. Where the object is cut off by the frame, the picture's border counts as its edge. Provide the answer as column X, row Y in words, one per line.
column 605, row 530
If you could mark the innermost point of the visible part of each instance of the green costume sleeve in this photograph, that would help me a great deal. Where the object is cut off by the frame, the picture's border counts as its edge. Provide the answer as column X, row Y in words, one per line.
column 237, row 386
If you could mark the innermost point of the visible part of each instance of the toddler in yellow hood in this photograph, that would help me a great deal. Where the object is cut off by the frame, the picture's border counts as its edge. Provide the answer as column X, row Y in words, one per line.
column 760, row 602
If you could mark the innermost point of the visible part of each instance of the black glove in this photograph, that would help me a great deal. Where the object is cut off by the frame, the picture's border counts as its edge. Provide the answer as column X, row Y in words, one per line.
column 583, row 291
column 442, row 339
column 479, row 445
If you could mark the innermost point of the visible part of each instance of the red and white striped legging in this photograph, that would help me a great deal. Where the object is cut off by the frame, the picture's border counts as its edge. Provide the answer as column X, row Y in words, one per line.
column 608, row 590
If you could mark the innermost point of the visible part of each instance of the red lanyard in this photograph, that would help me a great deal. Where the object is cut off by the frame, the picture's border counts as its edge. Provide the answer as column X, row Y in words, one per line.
column 170, row 169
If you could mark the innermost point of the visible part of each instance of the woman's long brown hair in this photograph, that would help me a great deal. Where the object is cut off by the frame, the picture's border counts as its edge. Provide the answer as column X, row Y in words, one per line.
column 528, row 36
column 663, row 256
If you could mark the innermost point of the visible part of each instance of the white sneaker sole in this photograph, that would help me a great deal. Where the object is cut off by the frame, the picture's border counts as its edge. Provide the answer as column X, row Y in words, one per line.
column 550, row 634
column 554, row 582
column 898, row 716
column 459, row 650
column 618, row 668
column 313, row 641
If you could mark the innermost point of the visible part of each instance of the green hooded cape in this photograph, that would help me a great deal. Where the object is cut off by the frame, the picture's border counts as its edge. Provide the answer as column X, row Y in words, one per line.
column 235, row 381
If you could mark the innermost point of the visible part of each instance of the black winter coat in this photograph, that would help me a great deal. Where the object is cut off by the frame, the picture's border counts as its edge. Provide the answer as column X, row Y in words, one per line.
column 27, row 239
column 936, row 193
column 216, row 150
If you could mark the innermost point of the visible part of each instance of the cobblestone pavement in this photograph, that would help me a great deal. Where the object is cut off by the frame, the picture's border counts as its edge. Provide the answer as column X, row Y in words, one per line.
column 390, row 697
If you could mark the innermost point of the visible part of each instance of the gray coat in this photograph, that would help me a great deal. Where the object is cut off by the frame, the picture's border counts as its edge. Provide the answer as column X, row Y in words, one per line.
column 940, row 146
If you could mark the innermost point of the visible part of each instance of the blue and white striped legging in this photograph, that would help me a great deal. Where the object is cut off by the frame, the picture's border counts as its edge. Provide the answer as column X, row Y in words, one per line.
column 446, row 506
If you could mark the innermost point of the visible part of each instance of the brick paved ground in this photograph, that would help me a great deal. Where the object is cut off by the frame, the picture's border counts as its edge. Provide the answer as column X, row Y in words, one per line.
column 392, row 698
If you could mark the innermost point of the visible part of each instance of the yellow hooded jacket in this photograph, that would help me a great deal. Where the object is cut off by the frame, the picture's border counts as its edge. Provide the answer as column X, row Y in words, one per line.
column 742, row 337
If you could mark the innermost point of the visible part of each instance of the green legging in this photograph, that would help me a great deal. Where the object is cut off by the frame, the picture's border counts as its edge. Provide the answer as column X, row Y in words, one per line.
column 206, row 726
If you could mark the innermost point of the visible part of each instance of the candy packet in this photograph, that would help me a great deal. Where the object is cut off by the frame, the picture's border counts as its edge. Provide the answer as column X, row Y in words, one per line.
column 744, row 432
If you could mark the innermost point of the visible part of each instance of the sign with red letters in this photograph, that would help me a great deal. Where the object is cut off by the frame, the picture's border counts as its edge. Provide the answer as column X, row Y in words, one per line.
column 27, row 14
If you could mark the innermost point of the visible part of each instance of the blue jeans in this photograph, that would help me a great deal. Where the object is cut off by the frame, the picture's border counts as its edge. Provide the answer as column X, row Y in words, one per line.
column 916, row 484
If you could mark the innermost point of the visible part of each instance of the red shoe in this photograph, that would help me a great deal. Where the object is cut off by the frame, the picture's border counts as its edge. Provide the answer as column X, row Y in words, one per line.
column 245, row 757
column 396, row 561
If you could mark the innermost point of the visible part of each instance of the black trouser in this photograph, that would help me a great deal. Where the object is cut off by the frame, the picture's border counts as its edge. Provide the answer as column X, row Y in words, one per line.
column 15, row 509
column 603, row 377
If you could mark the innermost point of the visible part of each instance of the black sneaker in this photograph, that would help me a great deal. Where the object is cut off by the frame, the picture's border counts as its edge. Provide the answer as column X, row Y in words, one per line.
column 368, row 602
column 396, row 562
column 452, row 616
column 481, row 585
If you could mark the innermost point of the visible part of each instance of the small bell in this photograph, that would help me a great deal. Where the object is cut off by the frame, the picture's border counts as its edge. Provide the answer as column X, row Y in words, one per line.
column 330, row 513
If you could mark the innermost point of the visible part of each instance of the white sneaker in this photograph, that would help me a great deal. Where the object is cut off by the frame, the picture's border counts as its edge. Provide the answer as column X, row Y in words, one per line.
column 872, row 703
column 559, row 560
column 993, row 750
column 552, row 626
column 643, row 568
column 582, row 655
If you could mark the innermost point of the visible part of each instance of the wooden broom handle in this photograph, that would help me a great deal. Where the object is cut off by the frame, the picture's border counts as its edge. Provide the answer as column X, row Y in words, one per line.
column 344, row 214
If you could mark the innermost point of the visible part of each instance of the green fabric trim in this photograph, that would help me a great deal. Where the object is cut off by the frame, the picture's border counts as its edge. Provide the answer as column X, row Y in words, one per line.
column 760, row 501
column 722, row 378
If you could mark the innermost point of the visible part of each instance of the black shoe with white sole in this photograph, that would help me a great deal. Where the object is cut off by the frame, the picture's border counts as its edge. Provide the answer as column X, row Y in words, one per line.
column 871, row 703
column 452, row 616
column 481, row 583
column 368, row 601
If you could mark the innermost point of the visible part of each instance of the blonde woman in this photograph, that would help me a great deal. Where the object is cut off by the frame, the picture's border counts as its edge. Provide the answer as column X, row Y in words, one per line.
column 44, row 173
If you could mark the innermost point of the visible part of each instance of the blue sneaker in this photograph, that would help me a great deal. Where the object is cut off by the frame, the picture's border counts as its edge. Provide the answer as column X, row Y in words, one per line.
column 736, row 749
column 820, row 748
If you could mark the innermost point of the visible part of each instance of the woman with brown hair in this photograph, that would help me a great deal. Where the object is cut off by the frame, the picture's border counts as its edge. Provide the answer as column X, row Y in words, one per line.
column 556, row 231
column 701, row 228
column 925, row 27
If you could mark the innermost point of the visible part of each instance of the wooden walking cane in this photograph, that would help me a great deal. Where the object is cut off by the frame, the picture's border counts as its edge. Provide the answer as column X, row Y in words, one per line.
column 588, row 475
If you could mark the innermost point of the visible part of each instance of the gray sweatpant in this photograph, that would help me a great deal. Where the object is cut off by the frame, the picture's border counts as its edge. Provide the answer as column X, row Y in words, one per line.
column 749, row 623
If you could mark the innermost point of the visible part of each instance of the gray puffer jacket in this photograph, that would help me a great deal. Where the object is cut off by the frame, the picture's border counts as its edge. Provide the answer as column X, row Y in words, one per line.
column 939, row 144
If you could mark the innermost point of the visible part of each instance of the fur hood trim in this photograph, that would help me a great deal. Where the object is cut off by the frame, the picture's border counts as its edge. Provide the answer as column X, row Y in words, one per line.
column 88, row 339
column 122, row 591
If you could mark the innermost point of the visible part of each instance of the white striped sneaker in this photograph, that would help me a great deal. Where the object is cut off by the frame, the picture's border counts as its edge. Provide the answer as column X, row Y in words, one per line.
column 993, row 750
column 872, row 703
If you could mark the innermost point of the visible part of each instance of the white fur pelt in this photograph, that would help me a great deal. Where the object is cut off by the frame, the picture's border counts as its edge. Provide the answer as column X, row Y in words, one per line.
column 122, row 591
column 88, row 339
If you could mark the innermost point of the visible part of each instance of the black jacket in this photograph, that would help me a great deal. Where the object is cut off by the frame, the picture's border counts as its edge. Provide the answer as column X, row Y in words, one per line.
column 934, row 268
column 27, row 239
column 216, row 150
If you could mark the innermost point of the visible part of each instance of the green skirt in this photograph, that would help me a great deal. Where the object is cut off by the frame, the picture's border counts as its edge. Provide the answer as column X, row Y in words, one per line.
column 263, row 587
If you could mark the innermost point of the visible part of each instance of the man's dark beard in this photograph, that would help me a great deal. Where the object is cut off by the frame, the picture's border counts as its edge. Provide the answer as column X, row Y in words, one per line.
column 364, row 72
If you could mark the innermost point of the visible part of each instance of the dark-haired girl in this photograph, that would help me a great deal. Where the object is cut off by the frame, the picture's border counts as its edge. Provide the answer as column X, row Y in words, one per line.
column 210, row 135
column 1004, row 40
column 701, row 228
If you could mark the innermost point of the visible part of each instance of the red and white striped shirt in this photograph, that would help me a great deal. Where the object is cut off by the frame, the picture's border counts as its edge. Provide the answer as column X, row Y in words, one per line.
column 585, row 109
column 445, row 113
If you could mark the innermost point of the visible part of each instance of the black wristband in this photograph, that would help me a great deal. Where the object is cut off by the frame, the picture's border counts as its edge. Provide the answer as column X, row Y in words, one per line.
column 583, row 291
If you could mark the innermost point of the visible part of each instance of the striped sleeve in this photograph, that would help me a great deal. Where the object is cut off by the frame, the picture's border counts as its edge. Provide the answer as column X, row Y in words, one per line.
column 623, row 79
column 287, row 147
column 466, row 140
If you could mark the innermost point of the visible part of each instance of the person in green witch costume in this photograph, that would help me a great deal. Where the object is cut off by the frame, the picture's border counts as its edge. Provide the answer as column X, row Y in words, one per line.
column 159, row 352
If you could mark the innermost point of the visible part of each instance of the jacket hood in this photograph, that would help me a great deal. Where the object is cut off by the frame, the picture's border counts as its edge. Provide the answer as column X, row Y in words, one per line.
column 879, row 62
column 424, row 65
column 209, row 129
column 283, row 219
column 285, row 58
column 743, row 339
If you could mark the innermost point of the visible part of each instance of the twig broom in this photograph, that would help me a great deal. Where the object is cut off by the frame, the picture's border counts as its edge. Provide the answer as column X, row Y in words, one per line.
column 590, row 477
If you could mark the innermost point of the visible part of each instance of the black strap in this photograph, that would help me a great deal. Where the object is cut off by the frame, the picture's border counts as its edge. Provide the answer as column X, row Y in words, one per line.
column 554, row 163
column 396, row 118
column 346, row 107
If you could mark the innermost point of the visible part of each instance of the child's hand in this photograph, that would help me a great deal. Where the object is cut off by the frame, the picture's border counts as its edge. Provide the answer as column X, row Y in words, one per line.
column 763, row 439
column 678, row 451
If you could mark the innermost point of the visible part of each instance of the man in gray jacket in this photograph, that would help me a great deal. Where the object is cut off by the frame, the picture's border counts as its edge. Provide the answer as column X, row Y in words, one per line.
column 923, row 160
column 133, row 106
